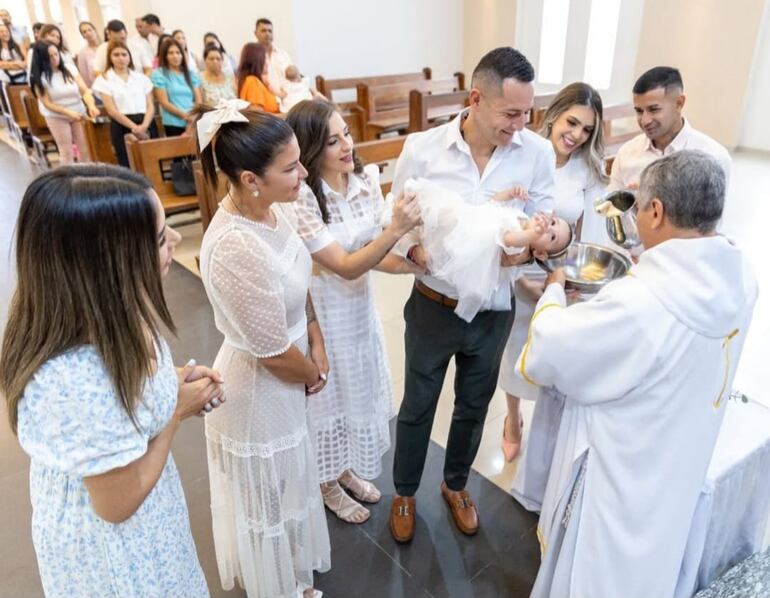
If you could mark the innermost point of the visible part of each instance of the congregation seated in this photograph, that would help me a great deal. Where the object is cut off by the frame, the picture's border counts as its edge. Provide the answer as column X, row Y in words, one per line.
column 128, row 99
column 216, row 83
column 177, row 90
column 251, row 83
column 62, row 94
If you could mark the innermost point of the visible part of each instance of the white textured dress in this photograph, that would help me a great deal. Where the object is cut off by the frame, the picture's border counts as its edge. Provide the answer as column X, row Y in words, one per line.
column 268, row 516
column 350, row 415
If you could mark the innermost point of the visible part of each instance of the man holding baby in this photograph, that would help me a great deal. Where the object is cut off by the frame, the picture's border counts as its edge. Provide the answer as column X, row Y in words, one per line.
column 484, row 150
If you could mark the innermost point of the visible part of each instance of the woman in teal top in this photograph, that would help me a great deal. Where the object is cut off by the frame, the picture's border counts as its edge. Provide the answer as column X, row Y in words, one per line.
column 177, row 89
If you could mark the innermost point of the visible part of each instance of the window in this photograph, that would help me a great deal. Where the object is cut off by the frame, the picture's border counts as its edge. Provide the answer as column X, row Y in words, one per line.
column 550, row 68
column 110, row 10
column 81, row 10
column 600, row 49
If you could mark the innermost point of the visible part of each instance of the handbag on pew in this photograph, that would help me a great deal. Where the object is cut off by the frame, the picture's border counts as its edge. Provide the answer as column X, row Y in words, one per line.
column 17, row 79
column 182, row 177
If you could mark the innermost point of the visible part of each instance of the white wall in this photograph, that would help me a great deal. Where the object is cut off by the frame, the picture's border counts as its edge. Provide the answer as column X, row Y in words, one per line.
column 755, row 129
column 713, row 43
column 488, row 24
column 346, row 38
column 528, row 30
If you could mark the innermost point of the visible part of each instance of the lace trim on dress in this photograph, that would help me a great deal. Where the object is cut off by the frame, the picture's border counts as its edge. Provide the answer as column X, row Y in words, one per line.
column 257, row 449
column 279, row 529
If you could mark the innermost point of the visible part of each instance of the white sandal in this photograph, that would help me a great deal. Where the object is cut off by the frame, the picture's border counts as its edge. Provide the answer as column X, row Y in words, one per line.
column 344, row 507
column 360, row 489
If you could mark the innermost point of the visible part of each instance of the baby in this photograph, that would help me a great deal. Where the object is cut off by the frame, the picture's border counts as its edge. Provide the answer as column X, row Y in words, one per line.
column 544, row 235
column 296, row 89
column 463, row 242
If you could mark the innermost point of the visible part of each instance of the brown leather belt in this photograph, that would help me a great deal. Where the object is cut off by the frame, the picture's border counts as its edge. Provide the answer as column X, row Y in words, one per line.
column 428, row 292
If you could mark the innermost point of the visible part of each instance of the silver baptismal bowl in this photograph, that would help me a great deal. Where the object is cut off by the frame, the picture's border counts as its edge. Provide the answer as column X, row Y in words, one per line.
column 588, row 267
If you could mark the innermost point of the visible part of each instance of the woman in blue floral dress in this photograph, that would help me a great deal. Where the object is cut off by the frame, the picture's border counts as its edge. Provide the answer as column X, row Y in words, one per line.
column 92, row 391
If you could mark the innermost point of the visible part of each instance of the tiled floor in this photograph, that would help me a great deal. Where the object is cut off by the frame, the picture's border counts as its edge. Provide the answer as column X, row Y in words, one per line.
column 500, row 561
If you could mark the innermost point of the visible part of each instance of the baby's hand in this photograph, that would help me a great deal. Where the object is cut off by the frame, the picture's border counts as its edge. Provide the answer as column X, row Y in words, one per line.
column 515, row 192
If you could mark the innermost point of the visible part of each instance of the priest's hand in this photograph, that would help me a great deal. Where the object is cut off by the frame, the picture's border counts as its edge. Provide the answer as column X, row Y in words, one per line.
column 507, row 261
column 557, row 276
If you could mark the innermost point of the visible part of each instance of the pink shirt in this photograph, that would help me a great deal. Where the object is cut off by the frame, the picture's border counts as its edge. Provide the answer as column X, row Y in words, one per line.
column 86, row 58
column 636, row 154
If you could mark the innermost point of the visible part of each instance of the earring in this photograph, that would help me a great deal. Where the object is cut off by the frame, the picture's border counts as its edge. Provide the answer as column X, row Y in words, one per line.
column 255, row 193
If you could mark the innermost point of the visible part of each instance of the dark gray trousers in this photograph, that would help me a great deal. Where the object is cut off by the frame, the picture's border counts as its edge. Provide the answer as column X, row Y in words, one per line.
column 434, row 334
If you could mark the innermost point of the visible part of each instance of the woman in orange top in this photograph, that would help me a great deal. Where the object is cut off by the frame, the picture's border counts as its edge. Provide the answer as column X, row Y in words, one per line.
column 251, row 85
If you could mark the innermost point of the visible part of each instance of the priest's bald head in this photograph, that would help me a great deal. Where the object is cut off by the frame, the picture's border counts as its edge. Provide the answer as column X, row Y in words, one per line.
column 501, row 95
column 680, row 196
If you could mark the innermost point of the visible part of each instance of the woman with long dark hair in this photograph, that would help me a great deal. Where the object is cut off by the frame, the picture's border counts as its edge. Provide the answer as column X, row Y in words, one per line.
column 268, row 517
column 338, row 219
column 573, row 124
column 251, row 80
column 191, row 59
column 91, row 388
column 52, row 34
column 13, row 66
column 127, row 97
column 64, row 98
column 177, row 89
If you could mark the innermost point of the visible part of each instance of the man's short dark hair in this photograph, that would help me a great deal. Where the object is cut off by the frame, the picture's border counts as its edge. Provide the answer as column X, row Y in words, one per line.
column 263, row 21
column 37, row 26
column 151, row 19
column 500, row 64
column 666, row 77
column 116, row 26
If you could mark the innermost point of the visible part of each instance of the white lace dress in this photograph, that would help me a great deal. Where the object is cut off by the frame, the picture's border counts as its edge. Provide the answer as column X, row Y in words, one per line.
column 350, row 415
column 268, row 516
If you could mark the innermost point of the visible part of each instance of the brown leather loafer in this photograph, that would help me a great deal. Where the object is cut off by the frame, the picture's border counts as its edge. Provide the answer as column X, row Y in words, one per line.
column 463, row 509
column 403, row 510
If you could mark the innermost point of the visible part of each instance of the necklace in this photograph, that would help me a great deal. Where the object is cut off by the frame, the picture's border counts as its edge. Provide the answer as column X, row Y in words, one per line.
column 249, row 218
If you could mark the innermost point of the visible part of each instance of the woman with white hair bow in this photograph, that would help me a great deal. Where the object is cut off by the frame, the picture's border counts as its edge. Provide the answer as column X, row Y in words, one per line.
column 268, row 516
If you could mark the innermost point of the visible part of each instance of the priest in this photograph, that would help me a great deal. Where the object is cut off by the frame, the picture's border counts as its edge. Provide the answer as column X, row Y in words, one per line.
column 646, row 368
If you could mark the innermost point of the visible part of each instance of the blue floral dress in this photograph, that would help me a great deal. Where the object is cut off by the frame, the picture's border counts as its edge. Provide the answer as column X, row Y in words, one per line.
column 72, row 425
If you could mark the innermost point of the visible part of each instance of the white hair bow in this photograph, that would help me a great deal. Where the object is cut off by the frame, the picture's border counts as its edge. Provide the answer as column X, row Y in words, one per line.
column 226, row 111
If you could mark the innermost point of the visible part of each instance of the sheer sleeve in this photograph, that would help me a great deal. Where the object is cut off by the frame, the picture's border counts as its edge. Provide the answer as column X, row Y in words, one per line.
column 372, row 178
column 250, row 294
column 309, row 224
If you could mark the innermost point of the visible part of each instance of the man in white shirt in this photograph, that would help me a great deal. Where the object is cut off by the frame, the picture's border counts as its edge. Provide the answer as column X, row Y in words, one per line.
column 276, row 60
column 116, row 31
column 149, row 29
column 646, row 367
column 658, row 101
column 486, row 149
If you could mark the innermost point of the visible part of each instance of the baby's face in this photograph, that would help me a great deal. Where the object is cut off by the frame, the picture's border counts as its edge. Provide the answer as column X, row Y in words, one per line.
column 556, row 237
